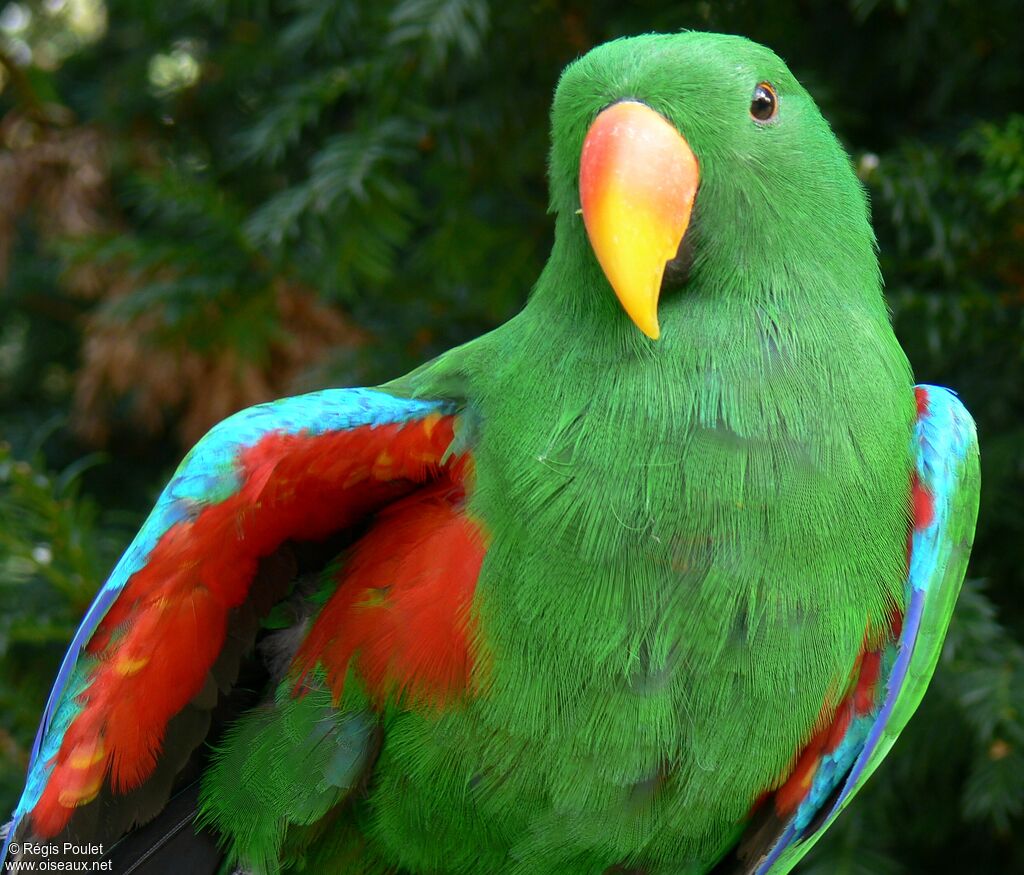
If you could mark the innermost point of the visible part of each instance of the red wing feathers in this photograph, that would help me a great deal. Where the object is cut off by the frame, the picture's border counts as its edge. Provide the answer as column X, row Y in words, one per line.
column 401, row 611
column 160, row 638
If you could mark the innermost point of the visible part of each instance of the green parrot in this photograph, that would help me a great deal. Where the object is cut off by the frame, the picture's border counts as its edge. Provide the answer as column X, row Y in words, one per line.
column 647, row 580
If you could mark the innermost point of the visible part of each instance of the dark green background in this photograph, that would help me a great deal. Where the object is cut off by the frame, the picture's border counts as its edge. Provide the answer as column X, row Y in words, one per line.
column 204, row 204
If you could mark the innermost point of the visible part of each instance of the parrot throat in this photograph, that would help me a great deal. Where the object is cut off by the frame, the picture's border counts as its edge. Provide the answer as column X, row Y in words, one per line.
column 769, row 393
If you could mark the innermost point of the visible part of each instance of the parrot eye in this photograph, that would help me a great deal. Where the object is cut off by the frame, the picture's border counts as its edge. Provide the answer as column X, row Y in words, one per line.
column 764, row 105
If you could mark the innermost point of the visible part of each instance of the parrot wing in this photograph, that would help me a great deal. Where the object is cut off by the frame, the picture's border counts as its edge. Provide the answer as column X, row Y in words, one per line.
column 163, row 640
column 893, row 675
column 396, row 627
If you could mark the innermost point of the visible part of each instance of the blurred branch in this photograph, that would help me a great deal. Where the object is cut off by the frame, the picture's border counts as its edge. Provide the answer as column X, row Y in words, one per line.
column 29, row 101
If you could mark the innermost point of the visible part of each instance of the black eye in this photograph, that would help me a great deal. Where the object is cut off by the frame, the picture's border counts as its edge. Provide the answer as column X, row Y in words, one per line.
column 764, row 105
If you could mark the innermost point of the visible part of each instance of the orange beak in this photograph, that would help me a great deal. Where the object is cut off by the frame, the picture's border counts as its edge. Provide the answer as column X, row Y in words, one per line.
column 638, row 179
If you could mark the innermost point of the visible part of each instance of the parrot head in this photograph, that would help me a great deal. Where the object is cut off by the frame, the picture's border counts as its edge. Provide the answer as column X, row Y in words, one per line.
column 694, row 156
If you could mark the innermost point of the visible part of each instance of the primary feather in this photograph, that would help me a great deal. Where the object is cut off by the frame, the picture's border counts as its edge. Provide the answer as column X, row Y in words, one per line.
column 608, row 604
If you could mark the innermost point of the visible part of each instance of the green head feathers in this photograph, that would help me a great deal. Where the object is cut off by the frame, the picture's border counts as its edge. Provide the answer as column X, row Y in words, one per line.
column 778, row 204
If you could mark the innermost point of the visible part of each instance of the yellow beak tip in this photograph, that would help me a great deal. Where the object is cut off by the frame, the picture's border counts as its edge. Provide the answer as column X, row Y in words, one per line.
column 651, row 329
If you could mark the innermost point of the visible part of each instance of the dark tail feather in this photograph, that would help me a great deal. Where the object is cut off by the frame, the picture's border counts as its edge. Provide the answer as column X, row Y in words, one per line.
column 170, row 843
column 762, row 833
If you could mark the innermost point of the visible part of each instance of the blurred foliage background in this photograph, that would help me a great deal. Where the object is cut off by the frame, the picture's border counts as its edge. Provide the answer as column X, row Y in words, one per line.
column 210, row 203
